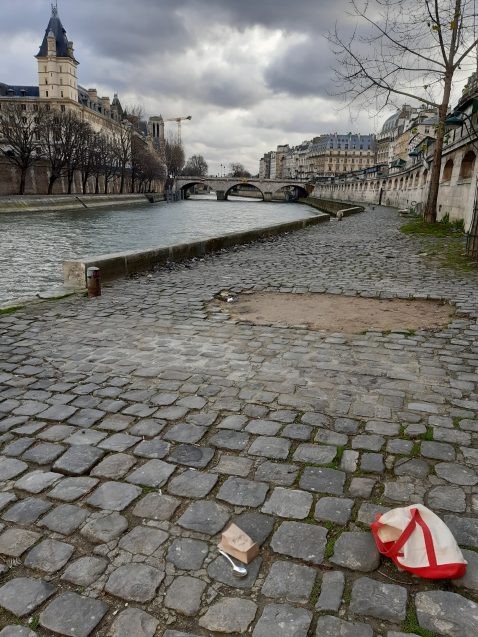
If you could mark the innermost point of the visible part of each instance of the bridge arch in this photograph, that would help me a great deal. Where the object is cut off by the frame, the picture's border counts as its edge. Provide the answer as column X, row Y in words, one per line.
column 242, row 183
column 198, row 182
column 294, row 191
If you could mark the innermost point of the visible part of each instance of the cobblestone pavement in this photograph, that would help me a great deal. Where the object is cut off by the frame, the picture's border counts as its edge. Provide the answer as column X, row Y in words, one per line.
column 134, row 427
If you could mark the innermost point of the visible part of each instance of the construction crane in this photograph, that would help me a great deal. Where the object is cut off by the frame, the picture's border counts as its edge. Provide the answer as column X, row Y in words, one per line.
column 178, row 120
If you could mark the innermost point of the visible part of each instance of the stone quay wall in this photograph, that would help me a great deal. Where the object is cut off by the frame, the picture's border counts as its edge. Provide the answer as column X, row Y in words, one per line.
column 120, row 264
column 409, row 188
column 37, row 181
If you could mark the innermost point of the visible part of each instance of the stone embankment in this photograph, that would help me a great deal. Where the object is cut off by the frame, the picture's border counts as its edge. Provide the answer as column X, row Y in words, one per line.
column 333, row 207
column 59, row 203
column 135, row 426
column 120, row 264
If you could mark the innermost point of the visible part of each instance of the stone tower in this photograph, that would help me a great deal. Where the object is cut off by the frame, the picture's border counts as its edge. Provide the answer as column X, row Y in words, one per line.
column 57, row 77
column 156, row 131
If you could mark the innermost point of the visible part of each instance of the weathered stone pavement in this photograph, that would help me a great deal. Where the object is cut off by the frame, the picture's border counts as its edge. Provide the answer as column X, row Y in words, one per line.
column 134, row 427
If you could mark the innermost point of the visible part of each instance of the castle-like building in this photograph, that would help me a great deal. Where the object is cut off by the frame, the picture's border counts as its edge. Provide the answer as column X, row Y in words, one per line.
column 58, row 88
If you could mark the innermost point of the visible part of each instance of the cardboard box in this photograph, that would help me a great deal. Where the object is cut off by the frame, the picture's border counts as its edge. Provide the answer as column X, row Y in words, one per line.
column 236, row 543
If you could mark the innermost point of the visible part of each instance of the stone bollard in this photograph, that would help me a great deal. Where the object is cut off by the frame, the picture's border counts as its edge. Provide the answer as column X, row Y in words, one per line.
column 93, row 282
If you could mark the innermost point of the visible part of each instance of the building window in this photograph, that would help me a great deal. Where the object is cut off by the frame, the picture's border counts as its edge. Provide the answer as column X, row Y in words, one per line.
column 46, row 80
column 447, row 171
column 62, row 107
column 35, row 107
column 47, row 107
column 24, row 107
column 46, row 92
column 62, row 94
column 467, row 165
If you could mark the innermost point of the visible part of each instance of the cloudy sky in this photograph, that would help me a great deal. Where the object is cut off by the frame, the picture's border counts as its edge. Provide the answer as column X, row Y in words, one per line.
column 252, row 73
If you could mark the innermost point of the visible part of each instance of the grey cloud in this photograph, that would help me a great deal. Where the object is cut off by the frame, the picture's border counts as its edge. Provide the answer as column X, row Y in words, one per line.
column 302, row 69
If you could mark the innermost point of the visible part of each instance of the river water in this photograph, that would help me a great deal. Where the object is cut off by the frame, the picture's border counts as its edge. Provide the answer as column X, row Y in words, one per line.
column 33, row 246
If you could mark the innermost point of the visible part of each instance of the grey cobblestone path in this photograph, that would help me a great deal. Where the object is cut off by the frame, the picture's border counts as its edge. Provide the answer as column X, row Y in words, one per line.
column 134, row 427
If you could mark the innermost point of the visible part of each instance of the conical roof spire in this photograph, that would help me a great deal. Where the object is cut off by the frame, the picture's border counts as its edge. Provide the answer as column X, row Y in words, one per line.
column 55, row 27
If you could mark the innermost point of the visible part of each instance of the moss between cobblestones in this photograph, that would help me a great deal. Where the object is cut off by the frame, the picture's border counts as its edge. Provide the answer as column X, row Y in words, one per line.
column 439, row 229
column 411, row 625
column 443, row 241
column 9, row 310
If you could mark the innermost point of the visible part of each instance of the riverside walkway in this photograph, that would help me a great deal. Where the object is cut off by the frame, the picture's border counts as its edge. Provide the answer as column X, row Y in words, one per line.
column 135, row 426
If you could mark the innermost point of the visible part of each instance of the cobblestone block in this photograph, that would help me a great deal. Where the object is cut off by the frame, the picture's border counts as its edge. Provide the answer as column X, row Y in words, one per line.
column 293, row 582
column 284, row 620
column 268, row 447
column 184, row 595
column 323, row 480
column 114, row 496
column 277, row 473
column 133, row 621
column 356, row 551
column 204, row 517
column 375, row 599
column 229, row 615
column 22, row 595
column 65, row 519
column 78, row 459
column 49, row 556
column 143, row 540
column 331, row 591
column 447, row 614
column 243, row 492
column 114, row 466
column 328, row 626
column 73, row 615
column 299, row 540
column 26, row 511
column 134, row 582
column 191, row 456
column 336, row 510
column 192, row 484
column 71, row 489
column 288, row 503
column 187, row 554
column 85, row 570
column 314, row 454
column 153, row 473
column 104, row 526
column 14, row 542
column 155, row 506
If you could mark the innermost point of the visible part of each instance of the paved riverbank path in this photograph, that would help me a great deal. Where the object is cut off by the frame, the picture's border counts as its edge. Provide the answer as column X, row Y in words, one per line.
column 135, row 426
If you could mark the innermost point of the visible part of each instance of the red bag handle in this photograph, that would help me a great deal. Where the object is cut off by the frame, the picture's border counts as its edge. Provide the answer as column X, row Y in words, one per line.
column 393, row 550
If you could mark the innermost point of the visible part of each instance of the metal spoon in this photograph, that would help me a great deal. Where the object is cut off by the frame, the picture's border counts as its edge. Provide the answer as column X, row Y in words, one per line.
column 238, row 571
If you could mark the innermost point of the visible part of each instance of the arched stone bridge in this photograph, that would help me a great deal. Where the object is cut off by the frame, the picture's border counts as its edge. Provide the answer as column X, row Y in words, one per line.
column 223, row 185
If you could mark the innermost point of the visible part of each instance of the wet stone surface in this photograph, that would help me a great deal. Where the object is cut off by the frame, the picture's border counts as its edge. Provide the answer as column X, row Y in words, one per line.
column 124, row 457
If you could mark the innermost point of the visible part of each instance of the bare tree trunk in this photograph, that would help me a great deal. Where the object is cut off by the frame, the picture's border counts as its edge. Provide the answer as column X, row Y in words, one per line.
column 23, row 176
column 51, row 183
column 430, row 214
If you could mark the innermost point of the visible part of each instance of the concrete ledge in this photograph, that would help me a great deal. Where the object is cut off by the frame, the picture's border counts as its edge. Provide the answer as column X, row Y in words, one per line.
column 347, row 212
column 331, row 206
column 59, row 203
column 115, row 265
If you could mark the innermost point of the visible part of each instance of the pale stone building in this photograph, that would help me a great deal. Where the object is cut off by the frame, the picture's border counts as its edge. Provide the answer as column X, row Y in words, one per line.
column 58, row 89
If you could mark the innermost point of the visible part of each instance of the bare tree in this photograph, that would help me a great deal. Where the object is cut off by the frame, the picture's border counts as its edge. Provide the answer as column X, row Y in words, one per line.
column 237, row 170
column 122, row 146
column 174, row 157
column 20, row 134
column 87, row 157
column 196, row 166
column 411, row 49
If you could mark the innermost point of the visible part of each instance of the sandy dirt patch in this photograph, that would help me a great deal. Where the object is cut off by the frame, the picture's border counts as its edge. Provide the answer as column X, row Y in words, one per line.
column 334, row 313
